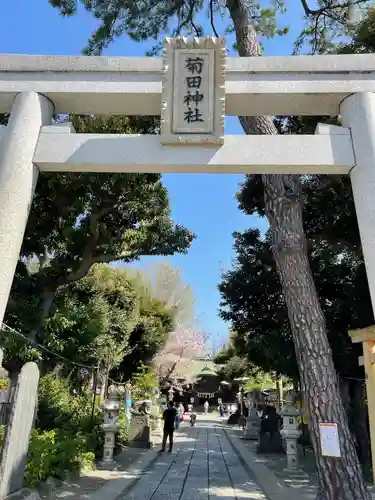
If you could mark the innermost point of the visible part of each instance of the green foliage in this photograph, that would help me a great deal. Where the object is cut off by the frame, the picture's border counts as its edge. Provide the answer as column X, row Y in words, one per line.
column 329, row 23
column 224, row 355
column 149, row 335
column 325, row 22
column 53, row 403
column 144, row 19
column 93, row 321
column 53, row 454
column 363, row 40
column 122, row 434
column 59, row 409
column 143, row 383
column 3, row 384
column 260, row 380
column 101, row 218
column 253, row 303
column 234, row 367
column 252, row 297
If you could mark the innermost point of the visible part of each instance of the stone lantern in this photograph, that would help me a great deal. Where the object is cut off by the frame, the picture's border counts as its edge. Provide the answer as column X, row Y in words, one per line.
column 110, row 426
column 291, row 433
column 156, row 420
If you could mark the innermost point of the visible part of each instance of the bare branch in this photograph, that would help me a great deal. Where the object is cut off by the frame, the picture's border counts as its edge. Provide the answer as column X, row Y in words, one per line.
column 328, row 10
column 212, row 18
column 189, row 20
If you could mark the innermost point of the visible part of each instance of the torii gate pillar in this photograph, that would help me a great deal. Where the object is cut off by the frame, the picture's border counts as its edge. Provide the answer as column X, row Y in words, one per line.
column 18, row 177
column 358, row 114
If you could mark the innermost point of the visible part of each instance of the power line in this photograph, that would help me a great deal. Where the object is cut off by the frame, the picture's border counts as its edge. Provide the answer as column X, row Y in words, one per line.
column 33, row 343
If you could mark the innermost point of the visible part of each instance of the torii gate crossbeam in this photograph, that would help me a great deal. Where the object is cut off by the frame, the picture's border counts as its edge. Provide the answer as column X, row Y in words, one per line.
column 254, row 86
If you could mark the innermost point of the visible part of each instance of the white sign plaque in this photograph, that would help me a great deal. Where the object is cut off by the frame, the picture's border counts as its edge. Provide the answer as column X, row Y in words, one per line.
column 329, row 440
column 193, row 100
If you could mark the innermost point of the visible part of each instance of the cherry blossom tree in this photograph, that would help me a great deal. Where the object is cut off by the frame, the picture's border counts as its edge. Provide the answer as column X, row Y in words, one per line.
column 174, row 360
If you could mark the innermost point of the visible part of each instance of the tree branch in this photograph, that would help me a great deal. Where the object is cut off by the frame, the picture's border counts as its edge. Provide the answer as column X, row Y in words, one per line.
column 325, row 10
column 189, row 19
column 212, row 18
column 88, row 253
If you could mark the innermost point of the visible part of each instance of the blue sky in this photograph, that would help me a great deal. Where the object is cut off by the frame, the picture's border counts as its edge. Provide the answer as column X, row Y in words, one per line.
column 204, row 203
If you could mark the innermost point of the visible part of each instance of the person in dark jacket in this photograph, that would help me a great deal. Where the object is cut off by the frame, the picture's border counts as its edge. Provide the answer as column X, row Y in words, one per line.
column 169, row 417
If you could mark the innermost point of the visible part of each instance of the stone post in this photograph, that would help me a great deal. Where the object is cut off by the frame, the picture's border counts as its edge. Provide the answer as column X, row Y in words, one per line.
column 18, row 177
column 155, row 412
column 16, row 443
column 110, row 426
column 291, row 433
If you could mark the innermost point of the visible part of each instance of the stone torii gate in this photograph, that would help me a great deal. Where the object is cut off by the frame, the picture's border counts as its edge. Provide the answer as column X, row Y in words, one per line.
column 192, row 87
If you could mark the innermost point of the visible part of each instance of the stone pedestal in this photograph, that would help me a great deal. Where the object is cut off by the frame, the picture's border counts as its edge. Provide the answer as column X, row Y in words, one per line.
column 140, row 431
column 252, row 425
column 291, row 433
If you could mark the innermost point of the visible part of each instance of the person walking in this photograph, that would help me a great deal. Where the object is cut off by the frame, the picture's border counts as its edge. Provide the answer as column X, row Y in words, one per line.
column 206, row 406
column 169, row 417
column 221, row 409
column 177, row 419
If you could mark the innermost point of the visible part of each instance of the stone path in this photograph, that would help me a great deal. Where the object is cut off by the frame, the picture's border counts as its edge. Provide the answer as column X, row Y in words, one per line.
column 203, row 466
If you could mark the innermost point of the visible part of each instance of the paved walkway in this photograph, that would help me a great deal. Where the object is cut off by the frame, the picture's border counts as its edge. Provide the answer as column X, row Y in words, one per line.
column 203, row 466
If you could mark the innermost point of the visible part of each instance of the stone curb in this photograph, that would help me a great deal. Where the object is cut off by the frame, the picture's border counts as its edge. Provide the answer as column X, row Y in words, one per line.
column 266, row 479
column 115, row 487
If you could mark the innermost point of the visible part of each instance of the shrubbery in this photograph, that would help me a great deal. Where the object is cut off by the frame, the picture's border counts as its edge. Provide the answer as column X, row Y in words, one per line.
column 68, row 434
column 72, row 415
column 54, row 454
column 66, row 438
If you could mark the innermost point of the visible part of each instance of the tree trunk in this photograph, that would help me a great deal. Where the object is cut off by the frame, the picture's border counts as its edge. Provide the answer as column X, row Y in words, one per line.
column 319, row 383
column 45, row 305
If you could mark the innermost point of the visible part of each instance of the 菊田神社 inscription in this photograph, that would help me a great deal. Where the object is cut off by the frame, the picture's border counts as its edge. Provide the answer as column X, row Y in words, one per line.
column 193, row 98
